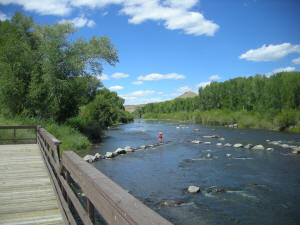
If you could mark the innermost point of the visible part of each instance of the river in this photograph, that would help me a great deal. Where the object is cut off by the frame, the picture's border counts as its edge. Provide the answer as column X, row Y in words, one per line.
column 260, row 187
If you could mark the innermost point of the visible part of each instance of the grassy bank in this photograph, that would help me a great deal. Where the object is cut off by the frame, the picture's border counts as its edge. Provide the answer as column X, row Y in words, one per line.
column 71, row 138
column 286, row 120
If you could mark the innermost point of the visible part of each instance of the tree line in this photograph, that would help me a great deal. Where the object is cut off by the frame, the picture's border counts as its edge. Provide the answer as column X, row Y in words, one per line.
column 47, row 74
column 275, row 97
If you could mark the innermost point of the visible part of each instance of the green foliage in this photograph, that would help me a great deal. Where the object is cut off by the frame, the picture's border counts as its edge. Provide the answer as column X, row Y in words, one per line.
column 253, row 102
column 105, row 110
column 71, row 138
column 43, row 73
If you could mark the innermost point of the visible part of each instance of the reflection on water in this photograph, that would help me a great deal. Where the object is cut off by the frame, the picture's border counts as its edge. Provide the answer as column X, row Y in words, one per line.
column 250, row 187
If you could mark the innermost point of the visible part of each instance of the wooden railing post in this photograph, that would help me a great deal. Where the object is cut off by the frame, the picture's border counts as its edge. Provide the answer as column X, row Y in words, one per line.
column 90, row 209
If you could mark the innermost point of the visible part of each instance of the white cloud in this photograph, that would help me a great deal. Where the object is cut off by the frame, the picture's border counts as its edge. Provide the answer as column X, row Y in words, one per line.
column 184, row 89
column 214, row 77
column 119, row 75
column 45, row 7
column 157, row 76
column 296, row 61
column 80, row 22
column 176, row 14
column 270, row 53
column 115, row 88
column 203, row 84
column 278, row 70
column 138, row 82
column 141, row 93
column 3, row 16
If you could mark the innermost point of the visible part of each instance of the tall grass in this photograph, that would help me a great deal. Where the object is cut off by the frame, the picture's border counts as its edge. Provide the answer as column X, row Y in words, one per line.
column 285, row 120
column 71, row 138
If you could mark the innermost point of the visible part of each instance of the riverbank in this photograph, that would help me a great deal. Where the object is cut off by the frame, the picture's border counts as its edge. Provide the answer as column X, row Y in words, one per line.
column 71, row 138
column 284, row 121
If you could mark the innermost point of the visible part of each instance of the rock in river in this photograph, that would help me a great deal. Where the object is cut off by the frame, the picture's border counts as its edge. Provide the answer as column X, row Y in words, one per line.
column 219, row 144
column 193, row 189
column 109, row 155
column 207, row 143
column 258, row 147
column 248, row 146
column 120, row 151
column 89, row 158
column 228, row 145
column 238, row 145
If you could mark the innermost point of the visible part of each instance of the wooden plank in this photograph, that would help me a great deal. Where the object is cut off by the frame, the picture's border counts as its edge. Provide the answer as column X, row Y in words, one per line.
column 26, row 193
column 114, row 204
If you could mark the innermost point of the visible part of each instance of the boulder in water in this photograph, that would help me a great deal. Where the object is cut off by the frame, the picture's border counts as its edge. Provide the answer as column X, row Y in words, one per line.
column 296, row 150
column 211, row 136
column 120, row 151
column 284, row 146
column 217, row 190
column 143, row 146
column 274, row 142
column 89, row 158
column 221, row 139
column 258, row 147
column 193, row 189
column 248, row 146
column 228, row 145
column 109, row 155
column 98, row 155
column 238, row 145
column 270, row 149
column 196, row 142
column 219, row 144
column 207, row 143
column 228, row 155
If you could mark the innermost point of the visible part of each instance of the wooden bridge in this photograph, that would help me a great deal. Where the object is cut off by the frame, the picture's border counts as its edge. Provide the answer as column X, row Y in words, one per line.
column 39, row 185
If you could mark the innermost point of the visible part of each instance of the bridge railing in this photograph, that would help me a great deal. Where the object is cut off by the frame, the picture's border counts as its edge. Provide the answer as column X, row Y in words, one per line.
column 71, row 173
column 14, row 136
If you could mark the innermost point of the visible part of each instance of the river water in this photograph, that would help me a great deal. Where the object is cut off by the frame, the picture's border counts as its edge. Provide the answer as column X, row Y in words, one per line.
column 260, row 187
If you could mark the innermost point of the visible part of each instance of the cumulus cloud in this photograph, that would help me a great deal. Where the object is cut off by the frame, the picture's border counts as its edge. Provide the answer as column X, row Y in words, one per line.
column 80, row 22
column 115, row 88
column 119, row 75
column 270, row 52
column 138, row 82
column 3, row 16
column 203, row 84
column 46, row 7
column 175, row 14
column 214, row 77
column 184, row 89
column 278, row 70
column 296, row 61
column 157, row 76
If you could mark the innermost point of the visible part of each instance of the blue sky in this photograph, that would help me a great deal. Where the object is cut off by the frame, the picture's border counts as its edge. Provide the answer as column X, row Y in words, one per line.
column 167, row 47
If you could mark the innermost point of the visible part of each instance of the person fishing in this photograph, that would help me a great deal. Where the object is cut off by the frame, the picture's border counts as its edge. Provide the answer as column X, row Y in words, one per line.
column 160, row 136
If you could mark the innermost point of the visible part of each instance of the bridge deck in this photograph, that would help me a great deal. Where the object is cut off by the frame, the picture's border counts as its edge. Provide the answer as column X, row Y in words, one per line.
column 26, row 192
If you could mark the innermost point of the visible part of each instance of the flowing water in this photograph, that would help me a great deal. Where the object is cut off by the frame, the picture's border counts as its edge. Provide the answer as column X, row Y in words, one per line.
column 257, row 187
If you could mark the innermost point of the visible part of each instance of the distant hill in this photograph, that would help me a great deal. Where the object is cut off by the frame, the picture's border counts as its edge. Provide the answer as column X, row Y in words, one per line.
column 188, row 94
column 131, row 108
